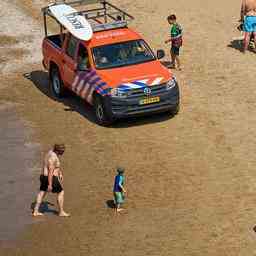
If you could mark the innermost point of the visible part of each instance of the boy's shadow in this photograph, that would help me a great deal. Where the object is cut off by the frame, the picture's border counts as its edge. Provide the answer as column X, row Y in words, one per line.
column 167, row 64
column 110, row 204
column 44, row 207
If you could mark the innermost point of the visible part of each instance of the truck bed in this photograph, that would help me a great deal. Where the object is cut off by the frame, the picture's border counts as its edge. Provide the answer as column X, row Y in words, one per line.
column 55, row 39
column 52, row 50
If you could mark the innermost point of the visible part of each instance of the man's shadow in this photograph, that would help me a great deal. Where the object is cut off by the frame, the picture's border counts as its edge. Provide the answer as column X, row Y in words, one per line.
column 44, row 207
column 238, row 44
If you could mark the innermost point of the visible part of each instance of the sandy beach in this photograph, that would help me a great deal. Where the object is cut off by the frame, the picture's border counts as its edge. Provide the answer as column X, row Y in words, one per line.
column 190, row 179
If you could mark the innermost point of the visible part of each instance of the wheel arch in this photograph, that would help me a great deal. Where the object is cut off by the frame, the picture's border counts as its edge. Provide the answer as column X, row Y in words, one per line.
column 94, row 95
column 53, row 66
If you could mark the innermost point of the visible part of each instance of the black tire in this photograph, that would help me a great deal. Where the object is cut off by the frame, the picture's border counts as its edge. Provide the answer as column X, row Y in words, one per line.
column 102, row 118
column 57, row 86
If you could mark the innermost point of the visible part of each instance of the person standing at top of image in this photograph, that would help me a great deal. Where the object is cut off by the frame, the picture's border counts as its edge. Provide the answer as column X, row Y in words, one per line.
column 118, row 189
column 175, row 39
column 51, row 180
column 248, row 16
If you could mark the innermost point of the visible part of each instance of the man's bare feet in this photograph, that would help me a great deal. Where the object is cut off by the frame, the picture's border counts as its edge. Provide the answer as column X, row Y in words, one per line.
column 36, row 214
column 64, row 214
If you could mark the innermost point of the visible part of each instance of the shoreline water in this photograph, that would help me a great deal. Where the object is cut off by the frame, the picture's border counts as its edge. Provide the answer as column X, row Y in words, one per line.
column 19, row 172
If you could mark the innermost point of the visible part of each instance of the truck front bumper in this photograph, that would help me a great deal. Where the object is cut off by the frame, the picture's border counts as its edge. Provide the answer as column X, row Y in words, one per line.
column 167, row 100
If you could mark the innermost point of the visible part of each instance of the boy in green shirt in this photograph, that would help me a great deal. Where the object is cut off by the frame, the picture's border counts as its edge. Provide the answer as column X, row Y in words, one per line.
column 175, row 39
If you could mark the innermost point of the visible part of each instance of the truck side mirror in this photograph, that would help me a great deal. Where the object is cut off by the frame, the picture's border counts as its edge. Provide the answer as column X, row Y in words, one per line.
column 160, row 54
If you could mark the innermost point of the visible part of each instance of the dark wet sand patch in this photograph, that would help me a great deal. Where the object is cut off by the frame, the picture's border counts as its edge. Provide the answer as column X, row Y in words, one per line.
column 6, row 40
column 18, row 174
column 13, row 53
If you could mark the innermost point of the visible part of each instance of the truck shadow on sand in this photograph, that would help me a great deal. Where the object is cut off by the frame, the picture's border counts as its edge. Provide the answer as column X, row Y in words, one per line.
column 73, row 102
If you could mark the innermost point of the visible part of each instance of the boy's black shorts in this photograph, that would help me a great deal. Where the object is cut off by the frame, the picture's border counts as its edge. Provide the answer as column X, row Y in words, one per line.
column 56, row 186
column 175, row 50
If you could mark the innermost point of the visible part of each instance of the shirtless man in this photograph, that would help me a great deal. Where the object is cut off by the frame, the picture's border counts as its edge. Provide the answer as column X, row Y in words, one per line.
column 248, row 15
column 51, row 180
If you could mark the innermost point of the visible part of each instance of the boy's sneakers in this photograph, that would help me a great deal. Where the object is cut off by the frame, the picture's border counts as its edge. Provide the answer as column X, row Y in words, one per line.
column 171, row 65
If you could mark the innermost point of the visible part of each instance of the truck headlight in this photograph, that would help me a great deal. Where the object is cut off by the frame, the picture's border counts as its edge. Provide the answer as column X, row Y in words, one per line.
column 171, row 83
column 116, row 92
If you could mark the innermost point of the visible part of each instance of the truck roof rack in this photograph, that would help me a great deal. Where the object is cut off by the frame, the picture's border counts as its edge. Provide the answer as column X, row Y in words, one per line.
column 102, row 16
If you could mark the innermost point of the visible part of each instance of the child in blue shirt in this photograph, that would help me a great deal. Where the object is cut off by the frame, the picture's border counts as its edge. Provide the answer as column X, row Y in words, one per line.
column 118, row 189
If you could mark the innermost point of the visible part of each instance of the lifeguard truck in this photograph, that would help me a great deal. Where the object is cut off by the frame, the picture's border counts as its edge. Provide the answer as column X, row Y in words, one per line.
column 98, row 57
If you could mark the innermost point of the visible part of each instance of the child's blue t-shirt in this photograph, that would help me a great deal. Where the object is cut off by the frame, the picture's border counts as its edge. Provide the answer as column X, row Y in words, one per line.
column 119, row 180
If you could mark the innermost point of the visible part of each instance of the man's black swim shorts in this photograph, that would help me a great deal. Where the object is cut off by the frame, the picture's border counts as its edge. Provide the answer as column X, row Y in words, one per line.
column 56, row 186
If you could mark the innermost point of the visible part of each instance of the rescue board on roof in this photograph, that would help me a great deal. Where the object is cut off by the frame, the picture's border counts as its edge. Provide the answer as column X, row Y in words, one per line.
column 79, row 2
column 76, row 24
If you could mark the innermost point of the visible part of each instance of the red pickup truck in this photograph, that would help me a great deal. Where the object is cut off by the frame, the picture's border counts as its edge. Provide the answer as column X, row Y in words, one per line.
column 115, row 71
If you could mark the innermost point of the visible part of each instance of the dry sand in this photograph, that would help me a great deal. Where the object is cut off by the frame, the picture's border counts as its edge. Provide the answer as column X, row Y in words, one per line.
column 190, row 179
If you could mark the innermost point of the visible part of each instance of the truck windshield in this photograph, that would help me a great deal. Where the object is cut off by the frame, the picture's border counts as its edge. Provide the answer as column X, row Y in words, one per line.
column 122, row 54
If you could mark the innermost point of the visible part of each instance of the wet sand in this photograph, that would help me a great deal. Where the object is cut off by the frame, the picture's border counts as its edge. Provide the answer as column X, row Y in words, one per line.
column 18, row 182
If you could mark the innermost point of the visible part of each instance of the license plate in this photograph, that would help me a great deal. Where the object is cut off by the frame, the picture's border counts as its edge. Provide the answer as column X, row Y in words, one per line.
column 149, row 100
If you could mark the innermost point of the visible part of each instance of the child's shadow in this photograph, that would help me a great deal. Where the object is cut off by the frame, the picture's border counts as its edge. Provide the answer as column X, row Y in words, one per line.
column 110, row 204
column 44, row 207
column 167, row 64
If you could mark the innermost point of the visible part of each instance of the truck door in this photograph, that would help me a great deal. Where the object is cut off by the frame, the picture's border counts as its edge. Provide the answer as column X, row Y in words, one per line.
column 81, row 84
column 69, row 60
column 83, row 58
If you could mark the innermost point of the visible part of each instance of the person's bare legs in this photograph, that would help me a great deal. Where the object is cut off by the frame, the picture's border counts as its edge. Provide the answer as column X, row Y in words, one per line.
column 118, row 208
column 254, row 36
column 247, row 36
column 60, row 200
column 172, row 60
column 39, row 200
column 178, row 62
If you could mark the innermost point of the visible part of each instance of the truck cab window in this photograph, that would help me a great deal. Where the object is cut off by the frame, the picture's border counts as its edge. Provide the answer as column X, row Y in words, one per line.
column 71, row 46
column 82, row 58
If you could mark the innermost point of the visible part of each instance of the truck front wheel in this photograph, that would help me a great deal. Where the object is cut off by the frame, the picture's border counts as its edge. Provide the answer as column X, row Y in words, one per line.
column 101, row 115
column 175, row 111
column 56, row 83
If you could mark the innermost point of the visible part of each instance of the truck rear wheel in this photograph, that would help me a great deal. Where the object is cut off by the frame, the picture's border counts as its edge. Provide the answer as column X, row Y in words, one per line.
column 57, row 86
column 102, row 118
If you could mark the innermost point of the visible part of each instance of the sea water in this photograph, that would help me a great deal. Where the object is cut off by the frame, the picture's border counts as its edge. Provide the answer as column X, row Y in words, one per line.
column 18, row 174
